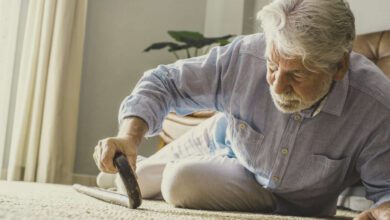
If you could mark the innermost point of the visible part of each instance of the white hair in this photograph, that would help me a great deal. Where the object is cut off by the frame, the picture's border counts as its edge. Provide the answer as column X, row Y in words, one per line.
column 320, row 32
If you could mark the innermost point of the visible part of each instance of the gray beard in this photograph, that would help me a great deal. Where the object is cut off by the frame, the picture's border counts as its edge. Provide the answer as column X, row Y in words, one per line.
column 291, row 103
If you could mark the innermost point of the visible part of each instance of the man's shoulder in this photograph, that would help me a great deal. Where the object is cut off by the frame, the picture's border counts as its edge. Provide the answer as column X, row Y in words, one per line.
column 253, row 45
column 367, row 78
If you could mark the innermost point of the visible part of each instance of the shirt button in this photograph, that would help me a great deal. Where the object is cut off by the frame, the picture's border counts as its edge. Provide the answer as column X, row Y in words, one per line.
column 297, row 117
column 275, row 178
column 242, row 126
column 284, row 151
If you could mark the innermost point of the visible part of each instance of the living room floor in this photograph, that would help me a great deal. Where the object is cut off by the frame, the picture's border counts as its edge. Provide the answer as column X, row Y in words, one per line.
column 22, row 200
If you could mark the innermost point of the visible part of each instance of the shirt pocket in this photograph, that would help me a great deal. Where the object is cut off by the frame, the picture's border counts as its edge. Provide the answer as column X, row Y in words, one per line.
column 245, row 142
column 322, row 172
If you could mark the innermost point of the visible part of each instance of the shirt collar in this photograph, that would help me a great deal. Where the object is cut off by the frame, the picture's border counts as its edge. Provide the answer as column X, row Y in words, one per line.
column 315, row 109
column 334, row 103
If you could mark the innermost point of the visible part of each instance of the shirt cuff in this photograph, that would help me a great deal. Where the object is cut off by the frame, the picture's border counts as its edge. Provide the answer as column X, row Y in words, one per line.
column 145, row 108
column 384, row 199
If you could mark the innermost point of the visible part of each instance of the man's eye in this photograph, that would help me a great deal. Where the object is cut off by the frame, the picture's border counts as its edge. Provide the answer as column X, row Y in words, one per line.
column 299, row 76
column 272, row 69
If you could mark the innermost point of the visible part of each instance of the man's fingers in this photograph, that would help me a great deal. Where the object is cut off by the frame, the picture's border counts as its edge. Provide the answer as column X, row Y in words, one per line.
column 381, row 213
column 366, row 215
column 108, row 154
column 96, row 157
column 132, row 161
column 106, row 149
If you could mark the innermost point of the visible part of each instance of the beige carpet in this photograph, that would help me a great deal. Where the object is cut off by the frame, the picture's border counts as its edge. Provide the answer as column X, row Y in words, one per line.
column 20, row 200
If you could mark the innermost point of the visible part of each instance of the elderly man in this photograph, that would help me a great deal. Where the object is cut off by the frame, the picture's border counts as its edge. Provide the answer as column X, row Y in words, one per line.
column 301, row 118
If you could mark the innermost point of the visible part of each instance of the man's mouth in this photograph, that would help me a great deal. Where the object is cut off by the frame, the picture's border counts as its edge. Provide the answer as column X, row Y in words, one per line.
column 288, row 103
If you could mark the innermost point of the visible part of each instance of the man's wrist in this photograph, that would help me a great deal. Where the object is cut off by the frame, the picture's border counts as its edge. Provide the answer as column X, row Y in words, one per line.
column 133, row 127
column 385, row 205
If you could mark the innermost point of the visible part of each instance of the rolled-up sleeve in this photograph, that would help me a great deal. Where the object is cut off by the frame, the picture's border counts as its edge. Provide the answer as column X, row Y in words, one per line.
column 373, row 165
column 183, row 87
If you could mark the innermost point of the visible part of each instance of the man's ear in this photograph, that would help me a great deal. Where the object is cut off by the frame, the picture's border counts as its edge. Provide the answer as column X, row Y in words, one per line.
column 342, row 68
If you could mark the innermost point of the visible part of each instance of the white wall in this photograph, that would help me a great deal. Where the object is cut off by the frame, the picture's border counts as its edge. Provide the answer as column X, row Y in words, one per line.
column 259, row 4
column 232, row 16
column 117, row 32
column 224, row 17
column 371, row 16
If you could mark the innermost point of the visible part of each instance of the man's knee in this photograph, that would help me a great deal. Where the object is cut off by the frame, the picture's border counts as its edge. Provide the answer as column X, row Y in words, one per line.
column 182, row 184
column 213, row 183
column 149, row 179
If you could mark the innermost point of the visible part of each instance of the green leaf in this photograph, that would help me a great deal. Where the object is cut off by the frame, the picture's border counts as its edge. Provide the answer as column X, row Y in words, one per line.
column 212, row 40
column 161, row 45
column 189, row 39
column 223, row 42
column 180, row 47
column 185, row 36
column 222, row 39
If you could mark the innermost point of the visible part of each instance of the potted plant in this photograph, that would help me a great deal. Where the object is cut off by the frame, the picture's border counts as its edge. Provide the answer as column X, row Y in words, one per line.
column 188, row 40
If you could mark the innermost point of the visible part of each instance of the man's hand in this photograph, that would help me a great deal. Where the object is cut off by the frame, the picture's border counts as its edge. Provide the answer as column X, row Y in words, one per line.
column 130, row 135
column 106, row 149
column 381, row 212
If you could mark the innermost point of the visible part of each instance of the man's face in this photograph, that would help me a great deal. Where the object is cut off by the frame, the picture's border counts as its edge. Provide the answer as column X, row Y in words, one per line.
column 293, row 87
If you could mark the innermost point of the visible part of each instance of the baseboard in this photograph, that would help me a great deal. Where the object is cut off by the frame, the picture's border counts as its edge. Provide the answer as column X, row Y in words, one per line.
column 3, row 174
column 88, row 180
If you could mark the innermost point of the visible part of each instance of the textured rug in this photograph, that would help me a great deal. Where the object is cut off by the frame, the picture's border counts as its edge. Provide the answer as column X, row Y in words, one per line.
column 21, row 200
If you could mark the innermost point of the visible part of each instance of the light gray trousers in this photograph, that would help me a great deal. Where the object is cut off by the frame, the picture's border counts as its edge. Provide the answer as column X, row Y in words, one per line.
column 186, row 175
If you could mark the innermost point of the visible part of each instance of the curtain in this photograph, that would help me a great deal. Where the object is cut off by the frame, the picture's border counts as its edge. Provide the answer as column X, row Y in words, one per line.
column 44, row 128
column 9, row 24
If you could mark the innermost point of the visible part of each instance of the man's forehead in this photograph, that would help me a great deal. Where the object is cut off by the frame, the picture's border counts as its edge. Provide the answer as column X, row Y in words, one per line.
column 290, row 62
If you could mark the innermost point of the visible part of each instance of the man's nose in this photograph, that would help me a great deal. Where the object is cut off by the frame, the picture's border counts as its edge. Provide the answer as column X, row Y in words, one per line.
column 281, row 83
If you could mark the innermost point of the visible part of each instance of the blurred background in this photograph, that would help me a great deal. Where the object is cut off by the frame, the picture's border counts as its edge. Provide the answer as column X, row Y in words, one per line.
column 65, row 67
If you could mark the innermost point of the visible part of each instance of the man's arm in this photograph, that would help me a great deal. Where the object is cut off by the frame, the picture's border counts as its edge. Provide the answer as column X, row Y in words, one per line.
column 373, row 166
column 185, row 86
column 133, row 127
